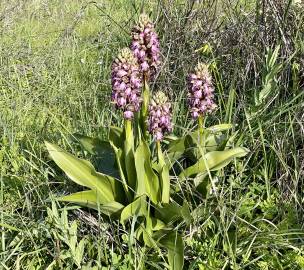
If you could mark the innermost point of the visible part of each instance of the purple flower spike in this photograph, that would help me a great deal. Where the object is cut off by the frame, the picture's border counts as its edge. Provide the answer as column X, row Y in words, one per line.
column 145, row 46
column 159, row 120
column 126, row 83
column 200, row 95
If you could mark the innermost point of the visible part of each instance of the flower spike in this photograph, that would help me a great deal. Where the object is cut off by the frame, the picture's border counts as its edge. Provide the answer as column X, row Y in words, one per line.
column 145, row 46
column 126, row 83
column 200, row 95
column 159, row 120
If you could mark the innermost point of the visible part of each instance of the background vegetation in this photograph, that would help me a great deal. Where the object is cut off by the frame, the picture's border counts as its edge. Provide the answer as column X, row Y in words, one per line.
column 55, row 58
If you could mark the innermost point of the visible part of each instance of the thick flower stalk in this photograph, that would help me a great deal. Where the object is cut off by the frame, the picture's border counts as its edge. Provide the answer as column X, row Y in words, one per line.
column 159, row 120
column 126, row 83
column 201, row 92
column 145, row 46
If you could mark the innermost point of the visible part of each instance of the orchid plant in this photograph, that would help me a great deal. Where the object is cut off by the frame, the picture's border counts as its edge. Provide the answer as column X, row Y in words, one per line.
column 131, row 180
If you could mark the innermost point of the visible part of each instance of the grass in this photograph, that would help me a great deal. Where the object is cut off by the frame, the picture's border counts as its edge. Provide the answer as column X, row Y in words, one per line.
column 55, row 59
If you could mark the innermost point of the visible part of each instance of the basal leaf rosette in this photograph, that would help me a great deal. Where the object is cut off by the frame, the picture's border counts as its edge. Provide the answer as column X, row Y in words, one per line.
column 126, row 83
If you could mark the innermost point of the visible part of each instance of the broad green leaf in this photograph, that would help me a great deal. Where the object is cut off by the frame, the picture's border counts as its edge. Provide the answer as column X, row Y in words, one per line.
column 211, row 142
column 213, row 161
column 174, row 243
column 90, row 198
column 129, row 155
column 83, row 173
column 152, row 225
column 219, row 128
column 148, row 239
column 157, row 224
column 187, row 146
column 80, row 252
column 144, row 109
column 86, row 198
column 173, row 212
column 202, row 184
column 138, row 232
column 111, row 208
column 116, row 136
column 123, row 176
column 93, row 145
column 180, row 144
column 215, row 141
column 102, row 151
column 177, row 148
column 163, row 172
column 165, row 184
column 147, row 180
column 147, row 231
column 136, row 208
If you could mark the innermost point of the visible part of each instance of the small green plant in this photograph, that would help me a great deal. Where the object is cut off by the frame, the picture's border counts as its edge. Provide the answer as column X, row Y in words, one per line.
column 67, row 234
column 132, row 182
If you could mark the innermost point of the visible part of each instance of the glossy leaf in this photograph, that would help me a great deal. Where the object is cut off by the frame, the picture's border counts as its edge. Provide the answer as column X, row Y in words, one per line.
column 173, row 212
column 136, row 208
column 102, row 151
column 120, row 164
column 213, row 161
column 129, row 155
column 165, row 184
column 177, row 148
column 215, row 142
column 90, row 198
column 147, row 231
column 147, row 180
column 174, row 244
column 116, row 136
column 86, row 198
column 219, row 128
column 187, row 145
column 157, row 224
column 163, row 172
column 83, row 173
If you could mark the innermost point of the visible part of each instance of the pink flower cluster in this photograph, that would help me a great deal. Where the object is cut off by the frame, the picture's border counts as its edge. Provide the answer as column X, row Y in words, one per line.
column 159, row 120
column 126, row 83
column 200, row 95
column 145, row 46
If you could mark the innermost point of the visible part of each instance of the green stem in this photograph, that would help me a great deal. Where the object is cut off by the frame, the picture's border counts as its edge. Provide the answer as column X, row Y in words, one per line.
column 129, row 134
column 144, row 108
column 163, row 175
column 200, row 127
column 160, row 155
column 129, row 155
